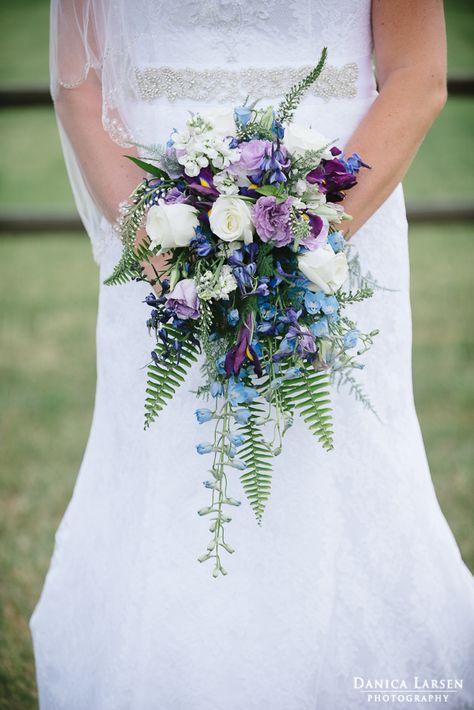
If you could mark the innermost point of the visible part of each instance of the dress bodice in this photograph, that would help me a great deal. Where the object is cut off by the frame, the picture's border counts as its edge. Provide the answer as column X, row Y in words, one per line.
column 159, row 59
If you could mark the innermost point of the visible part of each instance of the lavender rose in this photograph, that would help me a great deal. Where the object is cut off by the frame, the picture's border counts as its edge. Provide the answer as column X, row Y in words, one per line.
column 252, row 154
column 272, row 220
column 183, row 300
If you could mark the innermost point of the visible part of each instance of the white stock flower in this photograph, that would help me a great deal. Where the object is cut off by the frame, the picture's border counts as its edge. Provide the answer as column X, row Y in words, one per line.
column 226, row 183
column 324, row 268
column 222, row 121
column 299, row 139
column 171, row 226
column 230, row 219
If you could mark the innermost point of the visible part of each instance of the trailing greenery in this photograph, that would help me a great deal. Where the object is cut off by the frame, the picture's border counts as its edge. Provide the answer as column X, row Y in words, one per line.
column 167, row 371
column 309, row 394
column 291, row 100
column 257, row 477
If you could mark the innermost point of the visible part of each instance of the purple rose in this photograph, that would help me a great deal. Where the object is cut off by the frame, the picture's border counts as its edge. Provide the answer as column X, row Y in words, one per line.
column 183, row 300
column 317, row 237
column 252, row 154
column 272, row 220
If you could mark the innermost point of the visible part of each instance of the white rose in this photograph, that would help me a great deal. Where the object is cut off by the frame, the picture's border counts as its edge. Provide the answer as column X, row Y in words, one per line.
column 230, row 219
column 170, row 226
column 324, row 268
column 222, row 121
column 298, row 139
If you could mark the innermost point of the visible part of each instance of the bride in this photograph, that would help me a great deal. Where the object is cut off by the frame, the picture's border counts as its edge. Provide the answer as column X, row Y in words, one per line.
column 353, row 591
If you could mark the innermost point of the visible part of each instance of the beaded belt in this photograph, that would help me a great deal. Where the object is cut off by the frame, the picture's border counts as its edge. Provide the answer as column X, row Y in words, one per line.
column 226, row 84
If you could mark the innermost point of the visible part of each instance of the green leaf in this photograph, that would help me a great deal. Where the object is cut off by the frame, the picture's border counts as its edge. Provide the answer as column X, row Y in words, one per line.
column 148, row 167
column 272, row 191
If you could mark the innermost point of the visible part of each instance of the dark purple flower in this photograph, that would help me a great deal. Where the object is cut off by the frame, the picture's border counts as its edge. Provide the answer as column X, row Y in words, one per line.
column 272, row 220
column 203, row 183
column 332, row 177
column 317, row 237
column 242, row 349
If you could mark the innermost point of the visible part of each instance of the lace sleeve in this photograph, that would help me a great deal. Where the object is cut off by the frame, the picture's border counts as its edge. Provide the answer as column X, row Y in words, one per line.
column 75, row 42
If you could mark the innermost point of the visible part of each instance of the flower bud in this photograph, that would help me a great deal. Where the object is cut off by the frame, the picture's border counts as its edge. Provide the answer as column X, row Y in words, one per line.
column 205, row 511
column 232, row 501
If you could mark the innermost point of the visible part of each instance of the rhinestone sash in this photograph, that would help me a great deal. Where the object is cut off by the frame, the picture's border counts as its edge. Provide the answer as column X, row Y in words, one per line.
column 226, row 84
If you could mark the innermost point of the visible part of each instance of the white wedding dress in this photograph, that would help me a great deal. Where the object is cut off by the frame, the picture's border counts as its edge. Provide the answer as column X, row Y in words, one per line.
column 354, row 573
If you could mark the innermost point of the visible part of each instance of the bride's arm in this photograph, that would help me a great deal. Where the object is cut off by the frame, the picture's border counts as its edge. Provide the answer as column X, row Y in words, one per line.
column 410, row 51
column 109, row 176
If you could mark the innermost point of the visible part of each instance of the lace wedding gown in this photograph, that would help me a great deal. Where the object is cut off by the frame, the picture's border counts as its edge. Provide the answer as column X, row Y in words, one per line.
column 354, row 572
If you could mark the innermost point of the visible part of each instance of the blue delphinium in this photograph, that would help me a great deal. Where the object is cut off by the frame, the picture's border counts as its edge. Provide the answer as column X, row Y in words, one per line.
column 320, row 327
column 337, row 241
column 204, row 447
column 242, row 415
column 242, row 114
column 350, row 339
column 238, row 393
column 233, row 317
column 217, row 389
column 313, row 301
column 203, row 415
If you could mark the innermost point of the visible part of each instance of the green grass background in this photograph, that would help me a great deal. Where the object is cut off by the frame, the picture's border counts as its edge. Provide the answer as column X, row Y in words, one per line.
column 48, row 289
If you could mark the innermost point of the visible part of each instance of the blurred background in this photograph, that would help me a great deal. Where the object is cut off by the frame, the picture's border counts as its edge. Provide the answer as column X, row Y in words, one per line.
column 48, row 289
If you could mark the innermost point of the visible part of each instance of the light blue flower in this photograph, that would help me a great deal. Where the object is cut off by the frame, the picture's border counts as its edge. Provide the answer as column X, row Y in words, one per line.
column 351, row 338
column 242, row 114
column 292, row 373
column 320, row 327
column 337, row 241
column 237, row 439
column 221, row 365
column 204, row 415
column 238, row 393
column 268, row 311
column 276, row 383
column 329, row 305
column 313, row 301
column 217, row 389
column 233, row 317
column 242, row 415
column 287, row 346
column 238, row 464
column 204, row 447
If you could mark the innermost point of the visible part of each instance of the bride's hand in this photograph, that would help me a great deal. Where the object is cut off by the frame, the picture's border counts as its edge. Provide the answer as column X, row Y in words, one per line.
column 157, row 262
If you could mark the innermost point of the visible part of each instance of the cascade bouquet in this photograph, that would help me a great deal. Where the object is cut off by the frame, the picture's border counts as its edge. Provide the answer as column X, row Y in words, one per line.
column 246, row 207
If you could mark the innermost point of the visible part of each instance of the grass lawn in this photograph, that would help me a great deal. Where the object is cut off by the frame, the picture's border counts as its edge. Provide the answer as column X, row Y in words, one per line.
column 47, row 388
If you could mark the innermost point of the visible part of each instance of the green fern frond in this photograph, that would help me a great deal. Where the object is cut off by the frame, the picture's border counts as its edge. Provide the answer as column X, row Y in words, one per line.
column 167, row 374
column 291, row 100
column 129, row 267
column 309, row 394
column 257, row 477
